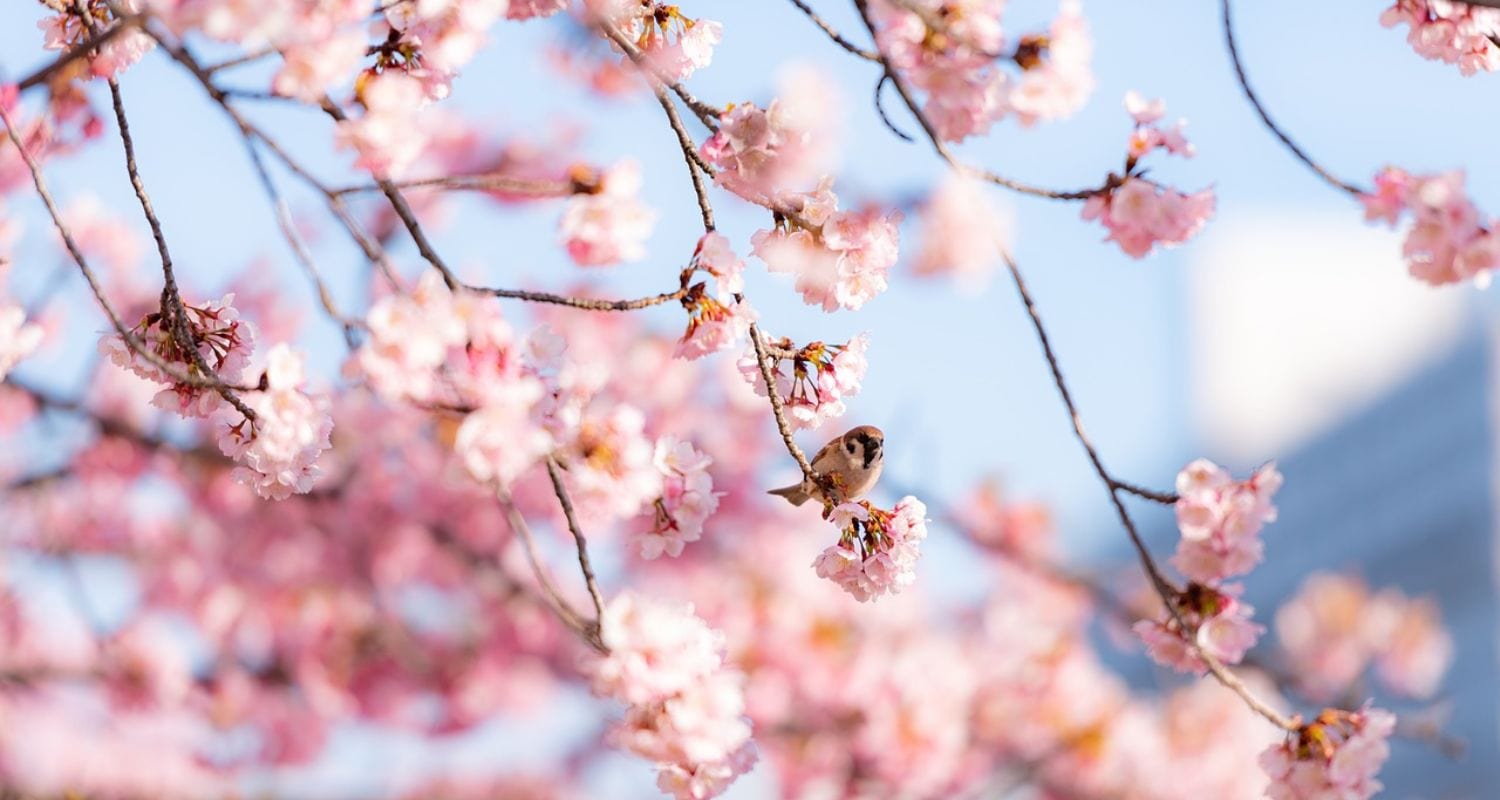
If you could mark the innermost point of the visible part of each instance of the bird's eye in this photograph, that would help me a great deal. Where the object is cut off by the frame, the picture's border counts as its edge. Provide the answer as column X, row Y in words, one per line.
column 849, row 446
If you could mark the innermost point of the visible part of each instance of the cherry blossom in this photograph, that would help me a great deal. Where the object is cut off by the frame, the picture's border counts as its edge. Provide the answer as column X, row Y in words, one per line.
column 962, row 232
column 1217, row 623
column 1057, row 76
column 877, row 550
column 68, row 28
column 1449, row 240
column 721, row 320
column 279, row 449
column 389, row 136
column 687, row 501
column 1451, row 32
column 608, row 224
column 840, row 258
column 1220, row 520
column 224, row 342
column 685, row 705
column 763, row 154
column 821, row 376
column 1334, row 628
column 1337, row 755
column 18, row 338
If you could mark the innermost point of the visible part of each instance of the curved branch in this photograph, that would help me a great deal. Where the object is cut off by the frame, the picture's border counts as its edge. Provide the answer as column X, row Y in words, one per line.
column 838, row 39
column 1265, row 117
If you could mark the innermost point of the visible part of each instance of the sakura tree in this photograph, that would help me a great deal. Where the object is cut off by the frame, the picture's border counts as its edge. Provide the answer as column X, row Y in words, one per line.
column 460, row 496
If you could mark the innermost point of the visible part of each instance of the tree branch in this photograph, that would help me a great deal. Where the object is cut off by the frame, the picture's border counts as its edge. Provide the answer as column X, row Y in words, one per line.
column 583, row 548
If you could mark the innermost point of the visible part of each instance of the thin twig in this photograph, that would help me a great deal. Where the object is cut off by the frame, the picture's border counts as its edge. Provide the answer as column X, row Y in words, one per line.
column 532, row 187
column 550, row 592
column 838, row 39
column 1164, row 588
column 758, row 342
column 942, row 148
column 125, row 333
column 584, row 303
column 583, row 546
column 885, row 77
column 173, row 308
column 299, row 248
column 1165, row 498
column 706, row 114
column 1260, row 110
column 695, row 164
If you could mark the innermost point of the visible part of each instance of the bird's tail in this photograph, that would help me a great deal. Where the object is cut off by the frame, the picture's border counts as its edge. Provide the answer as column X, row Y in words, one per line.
column 794, row 494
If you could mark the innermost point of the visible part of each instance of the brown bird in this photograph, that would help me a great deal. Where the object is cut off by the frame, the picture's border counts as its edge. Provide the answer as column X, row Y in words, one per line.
column 850, row 464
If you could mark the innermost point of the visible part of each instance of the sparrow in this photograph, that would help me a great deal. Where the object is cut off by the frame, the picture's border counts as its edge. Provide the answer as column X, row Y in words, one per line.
column 849, row 465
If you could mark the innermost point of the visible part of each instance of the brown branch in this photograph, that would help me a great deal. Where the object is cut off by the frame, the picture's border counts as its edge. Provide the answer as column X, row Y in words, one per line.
column 585, row 303
column 583, row 548
column 834, row 35
column 706, row 114
column 1164, row 588
column 367, row 244
column 173, row 306
column 942, row 148
column 130, row 339
column 758, row 342
column 534, row 187
column 1165, row 498
column 299, row 248
column 551, row 595
column 697, row 168
column 1265, row 117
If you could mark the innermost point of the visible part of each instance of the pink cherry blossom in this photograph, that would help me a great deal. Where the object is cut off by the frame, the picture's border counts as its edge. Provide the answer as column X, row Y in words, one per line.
column 279, row 449
column 1451, row 32
column 962, row 233
column 391, row 133
column 1338, row 755
column 877, row 550
column 1140, row 215
column 1060, row 79
column 500, row 440
column 527, row 9
column 1216, row 622
column 66, row 29
column 1334, row 629
column 762, row 154
column 1220, row 520
column 687, row 499
column 1449, row 240
column 18, row 338
column 224, row 343
column 840, row 258
column 409, row 339
column 820, row 377
column 610, row 224
column 685, row 706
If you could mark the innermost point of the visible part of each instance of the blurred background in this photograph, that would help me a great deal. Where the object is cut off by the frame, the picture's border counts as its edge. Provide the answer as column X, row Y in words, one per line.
column 1287, row 330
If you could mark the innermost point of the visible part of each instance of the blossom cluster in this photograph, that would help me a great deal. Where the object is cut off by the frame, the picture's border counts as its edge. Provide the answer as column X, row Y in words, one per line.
column 278, row 450
column 1219, row 520
column 687, row 500
column 821, row 376
column 222, row 339
column 18, row 338
column 877, row 549
column 764, row 155
column 1449, row 240
column 952, row 53
column 962, row 233
column 1141, row 214
column 674, row 45
column 719, row 320
column 840, row 258
column 1450, row 31
column 433, row 346
column 1334, row 628
column 1337, row 755
column 608, row 223
column 70, row 27
column 685, row 706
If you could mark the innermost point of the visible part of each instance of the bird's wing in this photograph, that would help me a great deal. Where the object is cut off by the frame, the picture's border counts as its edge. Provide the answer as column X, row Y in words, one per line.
column 831, row 447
